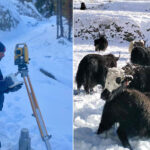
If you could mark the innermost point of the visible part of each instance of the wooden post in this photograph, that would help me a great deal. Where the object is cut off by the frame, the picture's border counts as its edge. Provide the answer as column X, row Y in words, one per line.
column 24, row 140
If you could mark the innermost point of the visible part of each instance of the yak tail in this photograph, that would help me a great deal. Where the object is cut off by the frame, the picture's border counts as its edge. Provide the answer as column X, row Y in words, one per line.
column 79, row 79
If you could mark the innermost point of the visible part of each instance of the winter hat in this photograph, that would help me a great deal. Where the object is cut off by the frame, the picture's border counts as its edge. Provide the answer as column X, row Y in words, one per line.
column 2, row 47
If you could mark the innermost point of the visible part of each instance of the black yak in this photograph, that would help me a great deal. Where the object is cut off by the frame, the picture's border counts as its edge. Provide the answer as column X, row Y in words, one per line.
column 83, row 6
column 140, row 81
column 131, row 109
column 141, row 56
column 92, row 70
column 133, row 44
column 101, row 43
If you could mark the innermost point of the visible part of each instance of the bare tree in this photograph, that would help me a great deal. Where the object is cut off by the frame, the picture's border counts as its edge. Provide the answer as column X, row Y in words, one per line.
column 70, row 21
column 60, row 30
column 52, row 7
column 64, row 10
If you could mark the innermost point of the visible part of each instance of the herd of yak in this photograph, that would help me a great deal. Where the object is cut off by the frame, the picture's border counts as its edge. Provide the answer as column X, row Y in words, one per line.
column 125, row 90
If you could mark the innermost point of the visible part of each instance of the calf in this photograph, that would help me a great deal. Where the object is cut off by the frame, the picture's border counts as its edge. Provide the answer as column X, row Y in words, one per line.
column 83, row 6
column 101, row 44
column 92, row 70
column 131, row 109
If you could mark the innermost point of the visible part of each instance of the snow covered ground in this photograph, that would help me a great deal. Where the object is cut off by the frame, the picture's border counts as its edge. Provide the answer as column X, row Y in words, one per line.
column 54, row 97
column 88, row 108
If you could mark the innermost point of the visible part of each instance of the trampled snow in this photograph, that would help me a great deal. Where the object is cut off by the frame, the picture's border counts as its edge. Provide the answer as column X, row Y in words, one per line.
column 54, row 96
column 130, row 16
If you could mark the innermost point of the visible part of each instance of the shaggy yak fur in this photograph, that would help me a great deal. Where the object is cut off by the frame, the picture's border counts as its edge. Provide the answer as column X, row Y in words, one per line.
column 141, row 56
column 131, row 109
column 83, row 6
column 92, row 70
column 101, row 44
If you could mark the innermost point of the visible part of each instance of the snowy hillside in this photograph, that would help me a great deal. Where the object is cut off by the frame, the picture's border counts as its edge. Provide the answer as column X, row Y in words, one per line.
column 122, row 21
column 54, row 96
column 11, row 10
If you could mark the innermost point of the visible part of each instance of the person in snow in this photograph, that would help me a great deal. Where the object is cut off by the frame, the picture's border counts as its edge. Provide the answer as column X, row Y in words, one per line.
column 5, row 83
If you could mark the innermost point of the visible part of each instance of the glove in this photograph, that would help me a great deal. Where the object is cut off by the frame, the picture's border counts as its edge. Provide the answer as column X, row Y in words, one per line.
column 9, row 81
column 16, row 88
